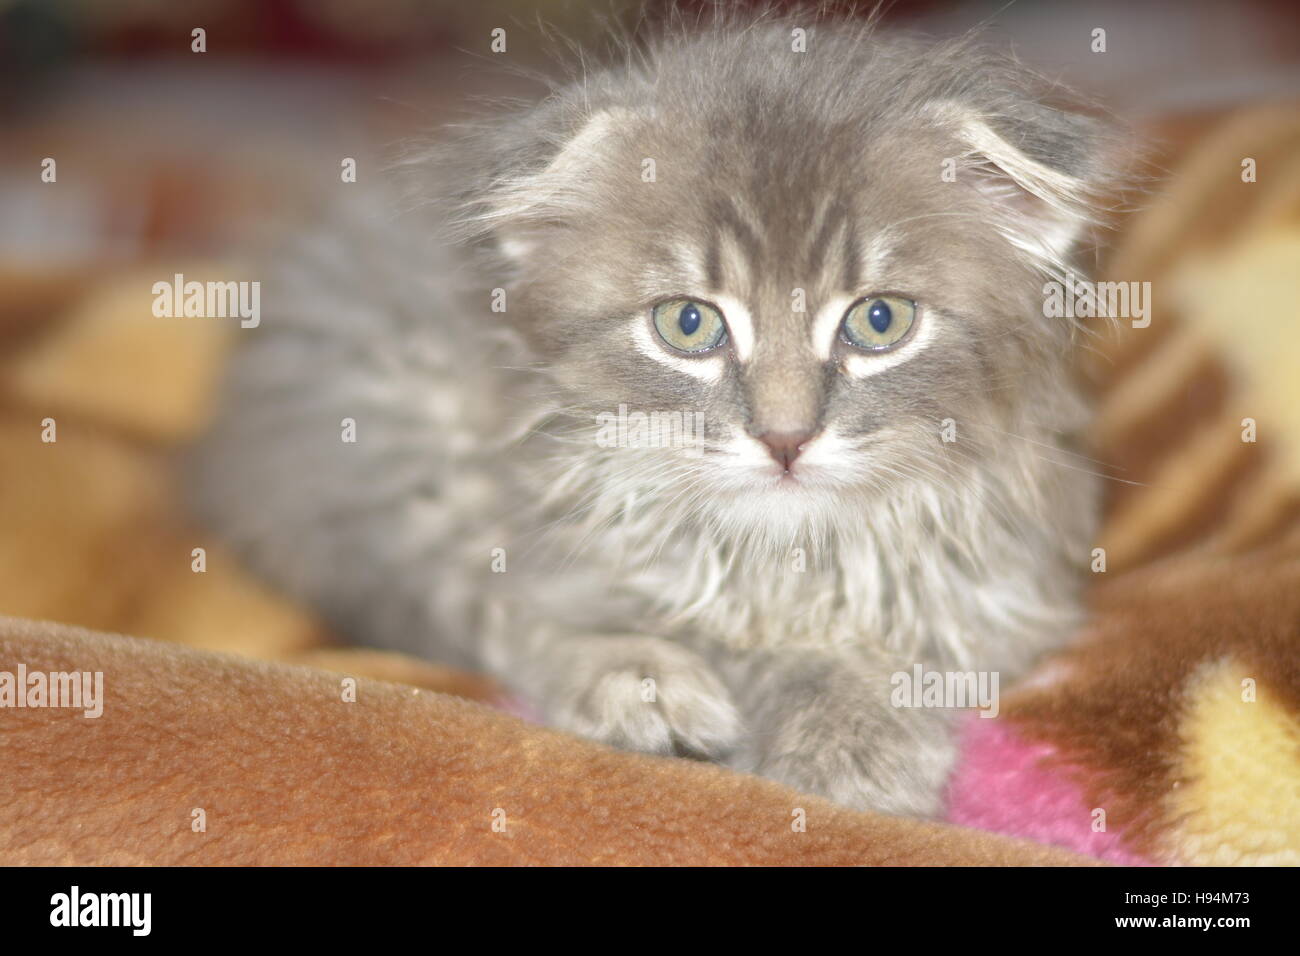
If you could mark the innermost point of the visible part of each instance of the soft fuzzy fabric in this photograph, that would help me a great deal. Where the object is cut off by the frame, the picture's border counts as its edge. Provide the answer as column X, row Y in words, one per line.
column 284, row 771
column 1174, row 714
column 1005, row 784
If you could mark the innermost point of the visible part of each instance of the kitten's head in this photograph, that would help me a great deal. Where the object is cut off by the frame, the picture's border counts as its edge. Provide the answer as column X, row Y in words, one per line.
column 832, row 256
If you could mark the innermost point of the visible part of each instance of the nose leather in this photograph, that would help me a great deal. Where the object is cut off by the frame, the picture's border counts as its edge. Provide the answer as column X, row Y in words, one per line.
column 785, row 447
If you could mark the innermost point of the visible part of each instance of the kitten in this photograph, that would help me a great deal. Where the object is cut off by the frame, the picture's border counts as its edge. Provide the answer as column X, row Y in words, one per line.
column 819, row 276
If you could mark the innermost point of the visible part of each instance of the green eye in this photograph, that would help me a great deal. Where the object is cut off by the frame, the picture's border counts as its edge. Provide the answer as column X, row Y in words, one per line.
column 878, row 322
column 689, row 325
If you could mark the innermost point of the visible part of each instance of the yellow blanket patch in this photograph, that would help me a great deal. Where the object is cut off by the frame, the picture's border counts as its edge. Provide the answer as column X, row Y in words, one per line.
column 1238, row 799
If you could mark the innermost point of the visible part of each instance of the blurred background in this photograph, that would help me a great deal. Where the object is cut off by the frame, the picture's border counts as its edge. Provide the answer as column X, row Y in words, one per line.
column 159, row 145
column 170, row 160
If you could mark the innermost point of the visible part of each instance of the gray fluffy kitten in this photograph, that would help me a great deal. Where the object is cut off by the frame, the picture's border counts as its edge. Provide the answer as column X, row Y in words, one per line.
column 834, row 262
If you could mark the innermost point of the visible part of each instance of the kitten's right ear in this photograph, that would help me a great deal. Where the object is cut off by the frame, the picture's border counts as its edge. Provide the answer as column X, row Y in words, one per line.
column 524, row 197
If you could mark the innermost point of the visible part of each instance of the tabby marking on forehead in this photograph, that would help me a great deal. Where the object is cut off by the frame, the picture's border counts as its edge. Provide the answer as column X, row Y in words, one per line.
column 835, row 242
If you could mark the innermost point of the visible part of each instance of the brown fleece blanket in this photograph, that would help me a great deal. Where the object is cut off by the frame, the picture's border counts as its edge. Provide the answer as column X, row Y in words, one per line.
column 202, row 758
column 1167, row 733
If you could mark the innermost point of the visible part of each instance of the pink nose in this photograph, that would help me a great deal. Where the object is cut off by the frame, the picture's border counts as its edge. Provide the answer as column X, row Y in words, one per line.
column 785, row 446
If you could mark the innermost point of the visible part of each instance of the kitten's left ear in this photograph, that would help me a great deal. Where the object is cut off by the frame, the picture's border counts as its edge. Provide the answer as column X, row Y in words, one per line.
column 524, row 200
column 1047, row 169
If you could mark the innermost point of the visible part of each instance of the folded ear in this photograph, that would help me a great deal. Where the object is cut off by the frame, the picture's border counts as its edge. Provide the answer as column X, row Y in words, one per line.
column 548, row 175
column 1045, row 168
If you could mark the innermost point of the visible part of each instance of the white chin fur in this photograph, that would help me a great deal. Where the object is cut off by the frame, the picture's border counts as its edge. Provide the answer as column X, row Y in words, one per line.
column 760, row 498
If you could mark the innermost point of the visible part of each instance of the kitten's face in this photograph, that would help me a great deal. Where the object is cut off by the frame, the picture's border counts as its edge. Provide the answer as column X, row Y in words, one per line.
column 826, row 300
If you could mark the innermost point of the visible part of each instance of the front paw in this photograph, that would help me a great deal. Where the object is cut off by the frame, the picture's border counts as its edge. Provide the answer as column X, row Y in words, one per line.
column 646, row 694
column 843, row 740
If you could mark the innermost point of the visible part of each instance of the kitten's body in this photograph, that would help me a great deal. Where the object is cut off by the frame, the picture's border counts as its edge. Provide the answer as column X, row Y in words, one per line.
column 770, row 610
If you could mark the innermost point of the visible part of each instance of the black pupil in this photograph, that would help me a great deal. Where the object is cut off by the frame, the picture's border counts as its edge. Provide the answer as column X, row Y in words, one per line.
column 689, row 319
column 880, row 316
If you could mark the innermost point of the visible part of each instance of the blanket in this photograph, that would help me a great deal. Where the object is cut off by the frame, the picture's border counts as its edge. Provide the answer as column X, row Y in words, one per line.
column 1167, row 732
